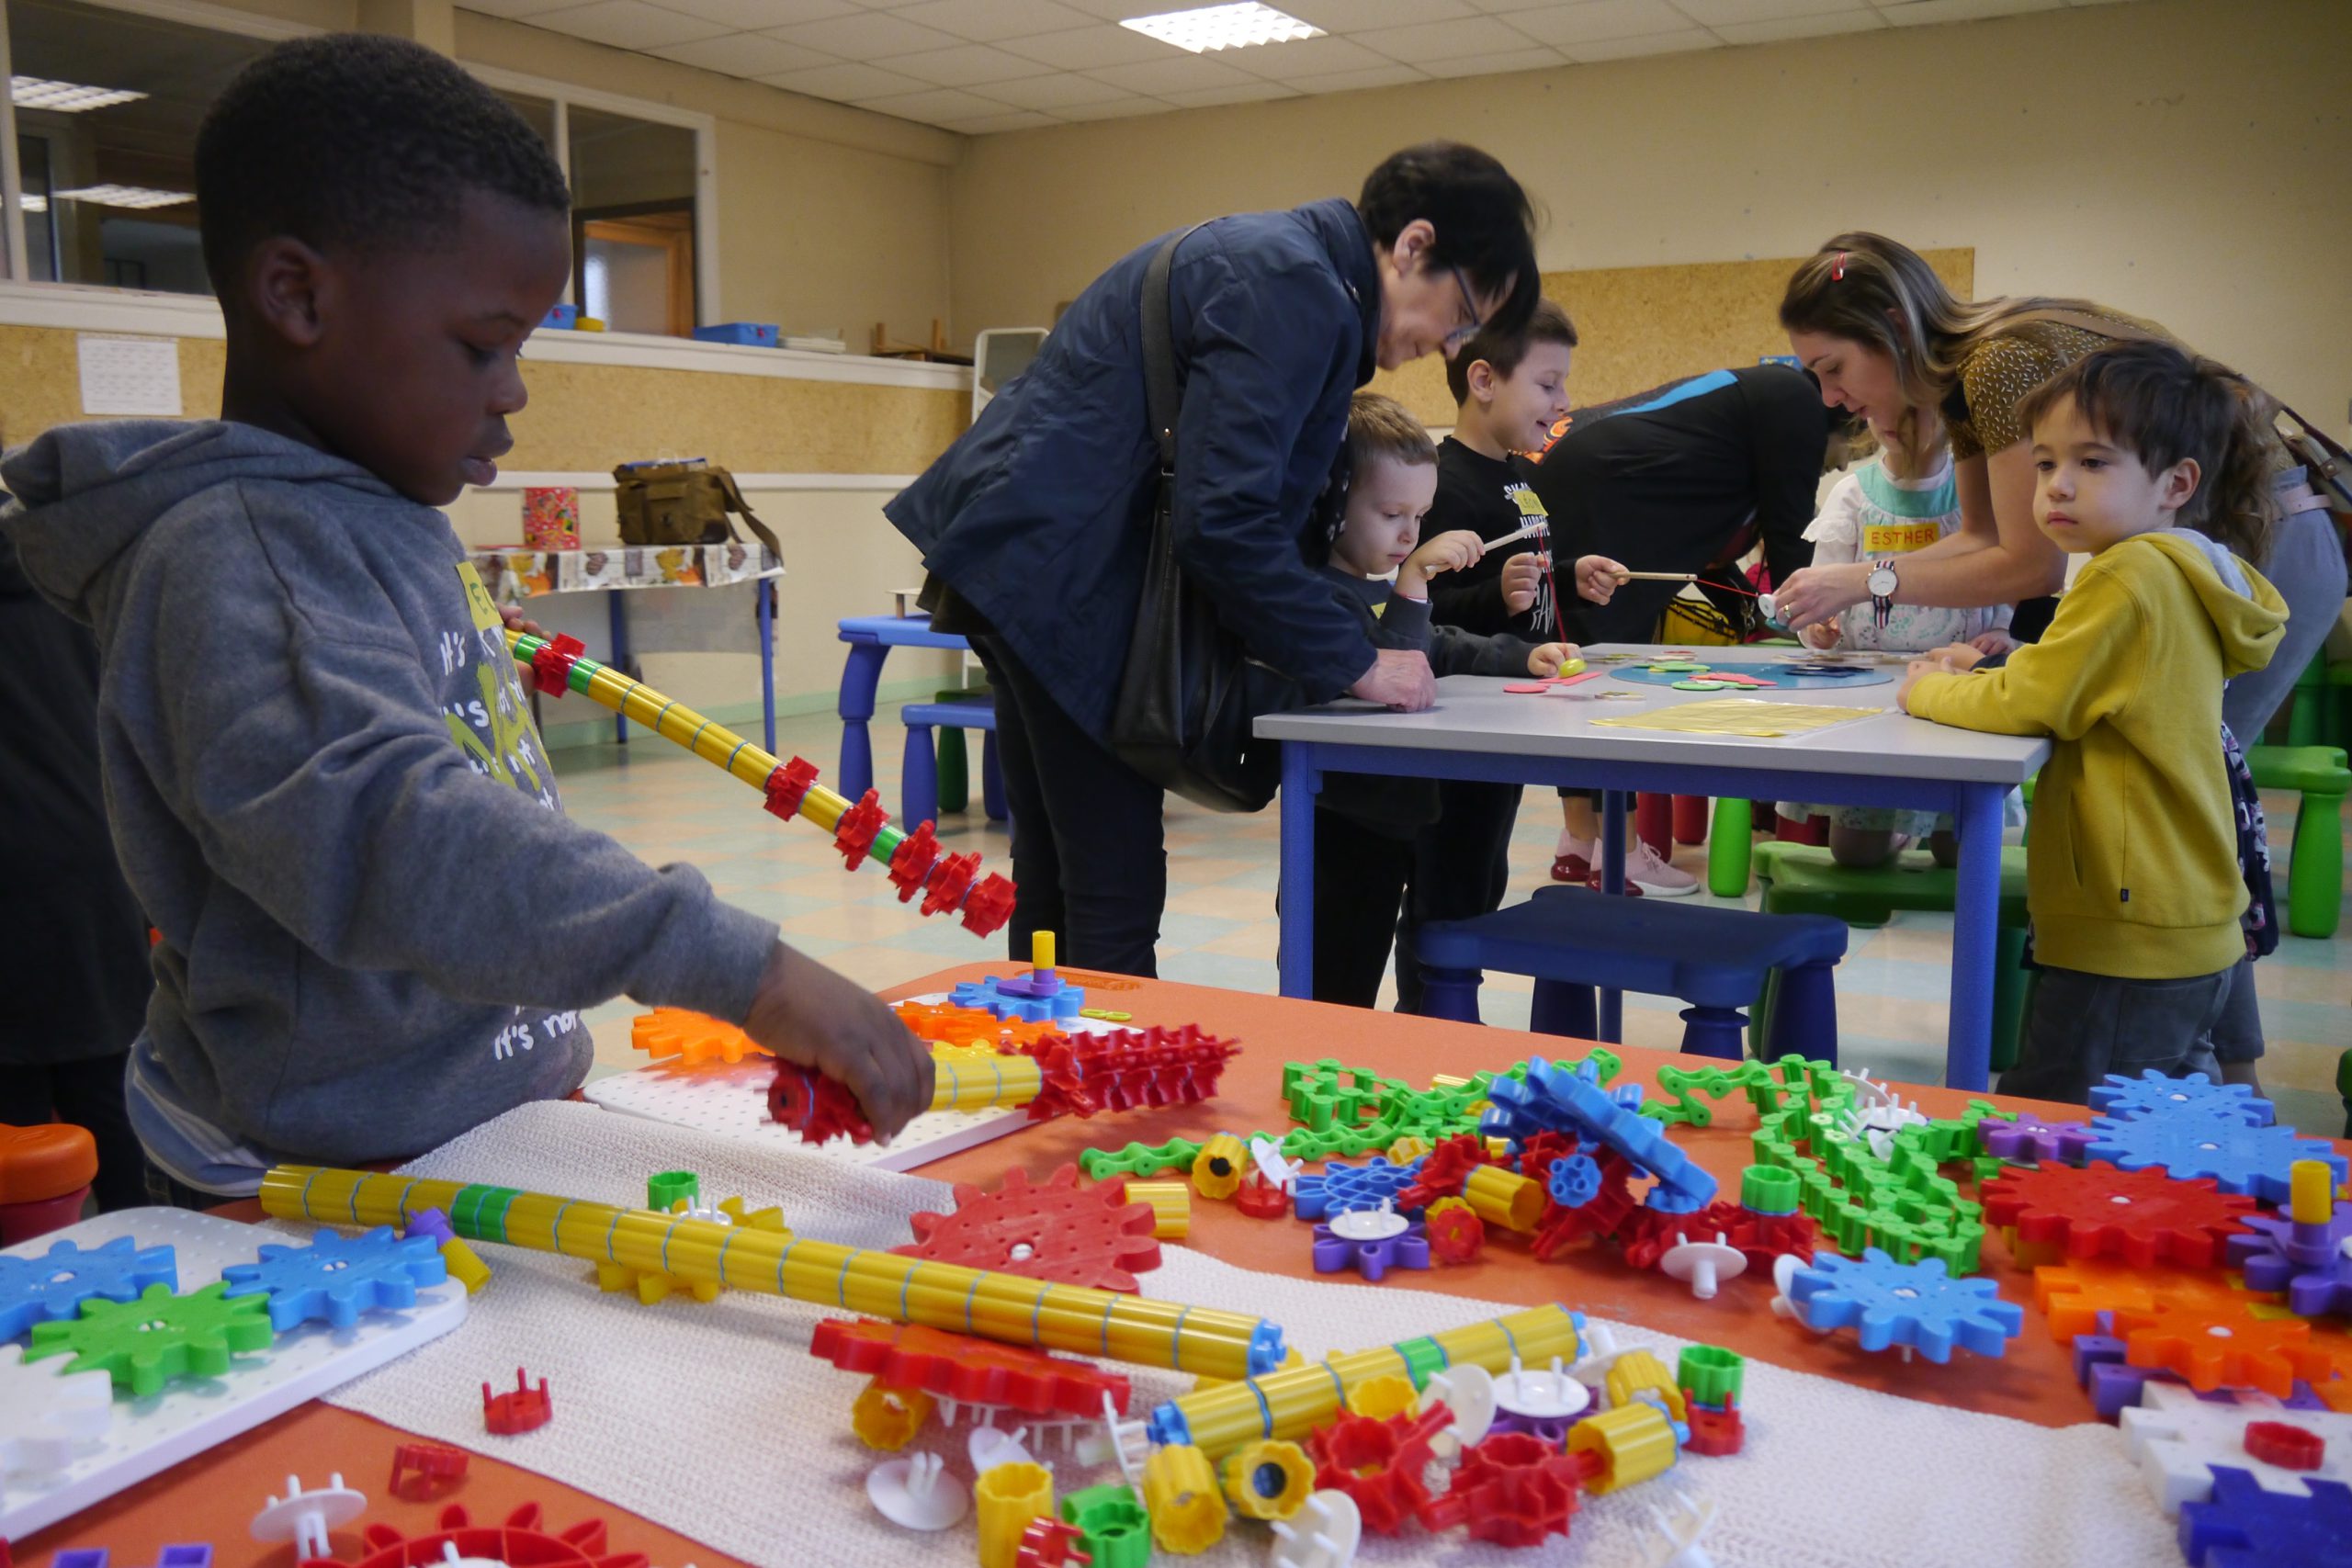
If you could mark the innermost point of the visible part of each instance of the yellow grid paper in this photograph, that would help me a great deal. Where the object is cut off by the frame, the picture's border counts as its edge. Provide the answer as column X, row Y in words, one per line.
column 1738, row 715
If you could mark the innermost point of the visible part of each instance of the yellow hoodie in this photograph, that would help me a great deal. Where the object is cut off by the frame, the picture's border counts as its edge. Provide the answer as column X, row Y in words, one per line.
column 2131, row 863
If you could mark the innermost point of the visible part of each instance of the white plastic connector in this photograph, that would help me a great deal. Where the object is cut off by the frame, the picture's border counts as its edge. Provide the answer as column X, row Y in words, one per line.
column 915, row 1494
column 306, row 1518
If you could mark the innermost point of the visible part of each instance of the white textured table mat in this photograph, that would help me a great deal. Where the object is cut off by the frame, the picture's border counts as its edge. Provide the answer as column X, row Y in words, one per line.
column 715, row 1420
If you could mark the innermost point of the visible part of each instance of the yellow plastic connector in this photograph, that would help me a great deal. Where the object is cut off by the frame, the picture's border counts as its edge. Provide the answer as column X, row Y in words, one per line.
column 2308, row 1196
column 1217, row 1169
column 1504, row 1198
column 653, row 1286
column 1382, row 1397
column 1634, row 1443
column 888, row 1418
column 1638, row 1371
column 1180, row 1492
column 1171, row 1207
column 1404, row 1151
column 768, row 1219
column 1268, row 1480
column 465, row 1265
column 1006, row 1498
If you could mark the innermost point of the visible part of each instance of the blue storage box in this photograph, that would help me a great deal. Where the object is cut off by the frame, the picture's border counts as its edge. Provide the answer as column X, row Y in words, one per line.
column 753, row 334
column 563, row 318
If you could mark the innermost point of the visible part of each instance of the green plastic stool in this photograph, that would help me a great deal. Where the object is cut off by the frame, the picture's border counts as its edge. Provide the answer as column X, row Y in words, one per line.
column 955, row 777
column 1800, row 879
column 2315, row 716
column 1731, row 841
column 2315, row 860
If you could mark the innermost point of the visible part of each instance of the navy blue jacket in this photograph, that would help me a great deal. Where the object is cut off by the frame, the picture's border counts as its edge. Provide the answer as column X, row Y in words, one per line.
column 1039, row 515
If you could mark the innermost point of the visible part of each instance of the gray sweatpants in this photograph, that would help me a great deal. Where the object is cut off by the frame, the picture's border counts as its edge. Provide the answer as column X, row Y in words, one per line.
column 2306, row 566
column 2082, row 1027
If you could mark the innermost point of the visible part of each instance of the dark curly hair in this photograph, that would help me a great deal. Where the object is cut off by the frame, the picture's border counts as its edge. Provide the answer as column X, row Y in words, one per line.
column 357, row 141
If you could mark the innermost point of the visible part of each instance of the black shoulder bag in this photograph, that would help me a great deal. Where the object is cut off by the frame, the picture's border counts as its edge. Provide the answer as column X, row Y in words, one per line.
column 1188, row 694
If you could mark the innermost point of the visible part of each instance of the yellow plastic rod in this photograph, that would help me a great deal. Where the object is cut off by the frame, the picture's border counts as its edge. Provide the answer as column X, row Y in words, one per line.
column 1004, row 1307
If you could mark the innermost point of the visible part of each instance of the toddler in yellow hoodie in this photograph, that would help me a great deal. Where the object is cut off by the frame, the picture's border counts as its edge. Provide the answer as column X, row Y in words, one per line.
column 2155, row 464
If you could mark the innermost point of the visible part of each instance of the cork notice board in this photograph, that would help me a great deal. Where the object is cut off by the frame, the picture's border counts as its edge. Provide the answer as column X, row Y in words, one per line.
column 1645, row 326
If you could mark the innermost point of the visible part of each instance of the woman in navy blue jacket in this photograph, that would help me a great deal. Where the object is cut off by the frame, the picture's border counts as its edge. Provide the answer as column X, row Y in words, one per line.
column 1034, row 524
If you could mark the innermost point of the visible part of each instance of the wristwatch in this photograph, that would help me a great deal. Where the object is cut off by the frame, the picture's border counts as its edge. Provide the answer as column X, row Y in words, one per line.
column 1882, row 585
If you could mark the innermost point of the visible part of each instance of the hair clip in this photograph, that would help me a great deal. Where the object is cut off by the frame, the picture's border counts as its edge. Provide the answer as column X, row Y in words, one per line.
column 1837, row 268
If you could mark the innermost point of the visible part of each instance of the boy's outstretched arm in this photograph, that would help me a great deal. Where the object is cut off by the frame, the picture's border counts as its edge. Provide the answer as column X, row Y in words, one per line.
column 2087, row 666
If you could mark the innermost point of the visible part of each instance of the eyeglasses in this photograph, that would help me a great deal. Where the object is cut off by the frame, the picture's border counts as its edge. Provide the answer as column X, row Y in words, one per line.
column 1462, row 335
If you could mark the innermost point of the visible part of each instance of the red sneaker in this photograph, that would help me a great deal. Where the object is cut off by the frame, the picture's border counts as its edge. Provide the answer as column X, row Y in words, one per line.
column 1633, row 888
column 1571, row 868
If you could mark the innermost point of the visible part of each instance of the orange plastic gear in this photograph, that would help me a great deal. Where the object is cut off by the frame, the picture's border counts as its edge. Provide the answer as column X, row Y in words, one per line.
column 2074, row 1295
column 944, row 1025
column 2230, row 1348
column 694, row 1038
column 1053, row 1230
column 2142, row 1216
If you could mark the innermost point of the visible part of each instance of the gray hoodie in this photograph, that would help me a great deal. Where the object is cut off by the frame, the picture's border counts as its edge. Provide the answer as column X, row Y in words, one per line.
column 377, row 925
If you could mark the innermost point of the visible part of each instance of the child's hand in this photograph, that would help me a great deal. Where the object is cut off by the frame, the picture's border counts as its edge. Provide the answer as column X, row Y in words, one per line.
column 1911, row 674
column 1596, row 578
column 512, row 616
column 1545, row 661
column 1992, row 642
column 1450, row 551
column 809, row 1015
column 1822, row 635
column 1522, row 576
column 1957, row 657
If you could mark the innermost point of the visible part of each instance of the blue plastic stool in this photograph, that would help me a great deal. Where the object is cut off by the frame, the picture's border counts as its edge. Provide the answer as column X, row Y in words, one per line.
column 918, row 770
column 1716, row 959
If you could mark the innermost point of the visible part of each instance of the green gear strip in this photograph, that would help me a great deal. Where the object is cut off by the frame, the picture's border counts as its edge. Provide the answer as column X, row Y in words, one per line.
column 479, row 1213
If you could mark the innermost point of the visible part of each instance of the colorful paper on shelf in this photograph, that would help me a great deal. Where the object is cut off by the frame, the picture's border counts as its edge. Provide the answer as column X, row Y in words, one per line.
column 550, row 517
column 1739, row 715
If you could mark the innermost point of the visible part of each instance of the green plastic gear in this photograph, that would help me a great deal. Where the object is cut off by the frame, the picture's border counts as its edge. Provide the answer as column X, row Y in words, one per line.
column 146, row 1342
column 1140, row 1159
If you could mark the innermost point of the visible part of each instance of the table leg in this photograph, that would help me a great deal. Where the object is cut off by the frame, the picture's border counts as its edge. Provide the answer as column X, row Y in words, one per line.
column 861, row 678
column 618, row 618
column 1612, row 880
column 1976, row 909
column 1296, row 954
column 763, row 598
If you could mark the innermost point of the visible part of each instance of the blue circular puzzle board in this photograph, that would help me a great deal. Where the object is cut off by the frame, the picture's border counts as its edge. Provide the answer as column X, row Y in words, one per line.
column 1784, row 677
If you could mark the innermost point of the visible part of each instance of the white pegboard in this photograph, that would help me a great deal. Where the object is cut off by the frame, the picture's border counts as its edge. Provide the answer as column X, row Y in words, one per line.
column 2178, row 1437
column 191, row 1414
column 732, row 1101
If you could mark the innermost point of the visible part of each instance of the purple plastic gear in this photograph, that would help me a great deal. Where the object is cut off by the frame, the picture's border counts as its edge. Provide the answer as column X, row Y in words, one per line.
column 1560, row 1099
column 1370, row 1256
column 1343, row 1189
column 2248, row 1526
column 2239, row 1157
column 336, row 1278
column 2310, row 1263
column 1914, row 1305
column 52, row 1287
column 2031, row 1138
column 2153, row 1094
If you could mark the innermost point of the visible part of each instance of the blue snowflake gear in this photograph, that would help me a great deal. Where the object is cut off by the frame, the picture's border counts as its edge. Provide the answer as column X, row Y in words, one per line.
column 1556, row 1097
column 1344, row 1189
column 52, row 1287
column 2248, row 1526
column 336, row 1278
column 2153, row 1094
column 1916, row 1304
column 2197, row 1143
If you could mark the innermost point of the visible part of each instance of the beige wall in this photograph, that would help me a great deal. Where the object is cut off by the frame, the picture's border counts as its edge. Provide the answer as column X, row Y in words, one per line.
column 2183, row 159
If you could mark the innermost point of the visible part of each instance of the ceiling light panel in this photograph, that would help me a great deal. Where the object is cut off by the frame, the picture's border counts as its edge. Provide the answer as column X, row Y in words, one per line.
column 64, row 97
column 136, row 196
column 1223, row 26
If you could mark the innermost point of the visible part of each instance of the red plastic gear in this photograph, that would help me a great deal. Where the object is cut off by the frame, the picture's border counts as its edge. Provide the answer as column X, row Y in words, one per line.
column 1646, row 1235
column 1049, row 1543
column 1261, row 1198
column 1379, row 1464
column 948, row 883
column 1124, row 1069
column 525, row 1409
column 2288, row 1447
column 522, row 1542
column 1443, row 1170
column 551, row 665
column 911, row 861
column 424, row 1469
column 854, row 834
column 817, row 1107
column 1760, row 1237
column 962, row 1367
column 1561, row 1228
column 1455, row 1234
column 1537, row 1153
column 788, row 786
column 1715, row 1433
column 2142, row 1216
column 1514, row 1489
column 988, row 905
column 1053, row 1230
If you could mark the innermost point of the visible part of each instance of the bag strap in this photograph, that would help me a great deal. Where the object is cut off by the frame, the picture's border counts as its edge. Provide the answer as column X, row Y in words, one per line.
column 735, row 503
column 1163, row 394
column 2082, row 321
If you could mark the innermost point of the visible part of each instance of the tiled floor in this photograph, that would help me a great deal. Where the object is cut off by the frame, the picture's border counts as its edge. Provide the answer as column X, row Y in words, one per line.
column 1220, row 928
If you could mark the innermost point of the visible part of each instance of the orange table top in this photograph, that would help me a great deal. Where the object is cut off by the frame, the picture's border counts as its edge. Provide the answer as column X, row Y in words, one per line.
column 213, row 1497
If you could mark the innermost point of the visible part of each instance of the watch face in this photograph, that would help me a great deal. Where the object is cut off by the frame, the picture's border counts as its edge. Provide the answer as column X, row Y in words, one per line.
column 1882, row 582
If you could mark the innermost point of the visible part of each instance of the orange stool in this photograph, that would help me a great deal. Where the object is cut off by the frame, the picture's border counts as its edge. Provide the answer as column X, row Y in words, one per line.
column 45, row 1176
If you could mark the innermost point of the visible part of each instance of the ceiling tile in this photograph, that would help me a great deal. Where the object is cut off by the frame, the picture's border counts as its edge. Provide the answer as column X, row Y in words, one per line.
column 986, row 21
column 1740, row 12
column 844, row 81
column 1055, row 93
column 744, row 54
column 1304, row 57
column 1443, row 40
column 935, row 107
column 1800, row 26
column 867, row 35
column 1181, row 73
column 1117, row 108
column 1357, row 81
column 752, row 15
column 990, row 125
column 1920, row 13
column 1534, row 57
column 515, row 10
column 1591, row 20
column 1083, row 48
column 965, row 65
column 1362, row 15
column 627, row 24
column 1120, row 10
column 1241, row 93
column 1631, row 48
